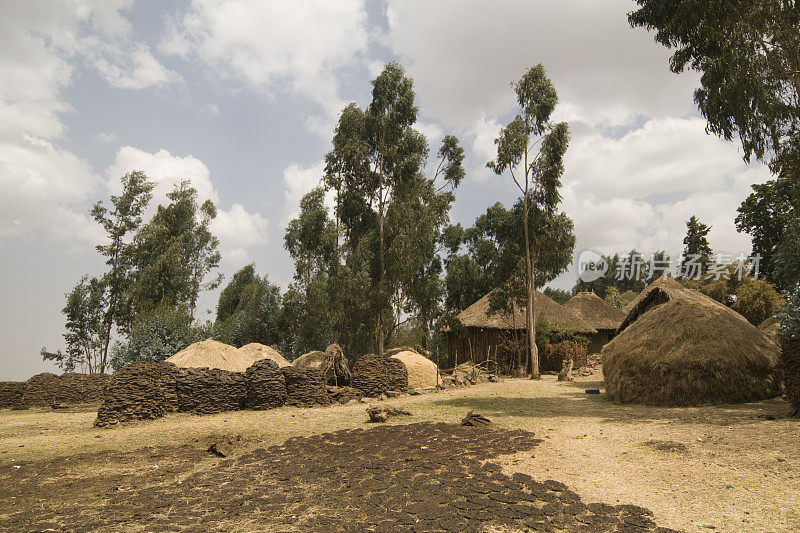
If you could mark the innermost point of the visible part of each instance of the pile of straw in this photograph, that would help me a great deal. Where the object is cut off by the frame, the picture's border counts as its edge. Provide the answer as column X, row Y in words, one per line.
column 678, row 347
column 421, row 371
column 332, row 363
column 214, row 354
column 770, row 326
column 256, row 351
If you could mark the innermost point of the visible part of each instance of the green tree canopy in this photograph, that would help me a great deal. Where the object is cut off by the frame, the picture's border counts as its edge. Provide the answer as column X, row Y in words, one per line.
column 696, row 249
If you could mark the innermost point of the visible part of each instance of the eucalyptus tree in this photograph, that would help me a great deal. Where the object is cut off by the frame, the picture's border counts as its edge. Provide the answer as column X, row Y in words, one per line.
column 531, row 149
column 696, row 249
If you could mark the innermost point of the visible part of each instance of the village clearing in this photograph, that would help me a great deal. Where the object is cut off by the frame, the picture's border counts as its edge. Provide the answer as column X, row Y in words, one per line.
column 726, row 468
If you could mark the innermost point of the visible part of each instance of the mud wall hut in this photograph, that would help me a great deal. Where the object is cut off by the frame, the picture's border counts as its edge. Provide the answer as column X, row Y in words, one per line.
column 494, row 337
column 599, row 314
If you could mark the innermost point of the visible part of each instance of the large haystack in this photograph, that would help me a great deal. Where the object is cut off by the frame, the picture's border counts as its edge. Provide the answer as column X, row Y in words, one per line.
column 257, row 351
column 422, row 372
column 678, row 347
column 332, row 363
column 214, row 354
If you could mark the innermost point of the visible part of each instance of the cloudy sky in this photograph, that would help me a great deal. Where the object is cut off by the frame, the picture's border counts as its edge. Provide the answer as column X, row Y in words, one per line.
column 241, row 97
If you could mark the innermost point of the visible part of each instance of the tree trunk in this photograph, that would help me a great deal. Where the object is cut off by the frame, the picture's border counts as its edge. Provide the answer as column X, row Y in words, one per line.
column 381, row 281
column 530, row 313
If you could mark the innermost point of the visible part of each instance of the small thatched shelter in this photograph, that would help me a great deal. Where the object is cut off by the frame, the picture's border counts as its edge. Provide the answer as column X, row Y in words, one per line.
column 260, row 351
column 678, row 347
column 332, row 363
column 599, row 314
column 214, row 354
column 489, row 336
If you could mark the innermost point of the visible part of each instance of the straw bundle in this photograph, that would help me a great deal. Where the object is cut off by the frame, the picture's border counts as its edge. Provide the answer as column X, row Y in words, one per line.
column 790, row 359
column 677, row 347
column 214, row 354
column 331, row 363
column 256, row 351
column 770, row 326
column 421, row 371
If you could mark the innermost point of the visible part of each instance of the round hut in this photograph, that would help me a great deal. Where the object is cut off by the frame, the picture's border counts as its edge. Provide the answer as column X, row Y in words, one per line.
column 258, row 351
column 678, row 347
column 599, row 314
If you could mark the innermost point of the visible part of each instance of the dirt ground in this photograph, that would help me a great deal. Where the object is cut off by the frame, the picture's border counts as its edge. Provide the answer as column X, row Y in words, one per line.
column 729, row 468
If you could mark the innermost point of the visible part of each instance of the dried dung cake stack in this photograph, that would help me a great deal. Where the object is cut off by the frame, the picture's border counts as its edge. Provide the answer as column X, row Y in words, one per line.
column 331, row 363
column 553, row 356
column 255, row 351
column 790, row 360
column 70, row 388
column 421, row 371
column 210, row 390
column 137, row 392
column 398, row 375
column 40, row 390
column 11, row 393
column 305, row 387
column 266, row 386
column 371, row 375
column 93, row 386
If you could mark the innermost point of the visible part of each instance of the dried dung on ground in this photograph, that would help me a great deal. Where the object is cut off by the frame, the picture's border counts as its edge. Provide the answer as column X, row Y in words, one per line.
column 305, row 387
column 266, row 386
column 421, row 371
column 256, row 350
column 372, row 375
column 790, row 360
column 214, row 354
column 681, row 348
column 11, row 393
column 210, row 390
column 332, row 363
column 40, row 390
column 141, row 391
column 390, row 478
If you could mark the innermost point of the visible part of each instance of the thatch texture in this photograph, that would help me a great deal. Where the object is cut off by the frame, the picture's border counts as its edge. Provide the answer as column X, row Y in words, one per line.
column 552, row 356
column 790, row 360
column 141, row 391
column 678, row 347
column 210, row 390
column 266, row 386
column 332, row 363
column 11, row 393
column 305, row 387
column 595, row 311
column 214, row 354
column 256, row 351
column 770, row 326
column 421, row 371
column 477, row 315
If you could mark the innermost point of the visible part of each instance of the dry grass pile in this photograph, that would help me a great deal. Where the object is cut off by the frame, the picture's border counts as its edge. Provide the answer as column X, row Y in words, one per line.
column 332, row 363
column 421, row 371
column 770, row 326
column 40, row 390
column 305, row 387
column 214, row 354
column 211, row 390
column 11, row 393
column 595, row 311
column 256, row 351
column 552, row 356
column 790, row 359
column 678, row 347
column 266, row 386
column 141, row 391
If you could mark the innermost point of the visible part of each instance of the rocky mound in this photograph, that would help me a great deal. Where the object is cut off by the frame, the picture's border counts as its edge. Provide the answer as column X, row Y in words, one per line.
column 305, row 387
column 141, row 391
column 266, row 386
column 210, row 390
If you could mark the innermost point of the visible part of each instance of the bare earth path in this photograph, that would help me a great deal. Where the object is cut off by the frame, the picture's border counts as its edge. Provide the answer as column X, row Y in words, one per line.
column 734, row 468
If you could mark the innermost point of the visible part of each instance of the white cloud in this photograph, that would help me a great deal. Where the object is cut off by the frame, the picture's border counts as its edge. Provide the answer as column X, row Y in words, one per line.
column 463, row 54
column 298, row 181
column 236, row 228
column 105, row 137
column 274, row 46
column 482, row 135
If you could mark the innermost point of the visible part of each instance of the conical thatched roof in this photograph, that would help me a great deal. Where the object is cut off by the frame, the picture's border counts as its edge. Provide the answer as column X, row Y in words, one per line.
column 477, row 315
column 595, row 311
column 262, row 351
column 214, row 354
column 678, row 347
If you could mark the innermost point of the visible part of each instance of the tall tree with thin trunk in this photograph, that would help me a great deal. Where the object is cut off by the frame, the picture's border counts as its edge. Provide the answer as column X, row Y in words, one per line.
column 532, row 149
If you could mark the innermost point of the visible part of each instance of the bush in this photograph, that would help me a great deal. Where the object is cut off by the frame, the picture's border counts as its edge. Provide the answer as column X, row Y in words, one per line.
column 547, row 332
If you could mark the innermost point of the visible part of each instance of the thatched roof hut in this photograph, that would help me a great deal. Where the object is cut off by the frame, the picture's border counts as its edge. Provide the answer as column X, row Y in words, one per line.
column 214, row 354
column 262, row 351
column 489, row 336
column 599, row 314
column 678, row 347
column 332, row 363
